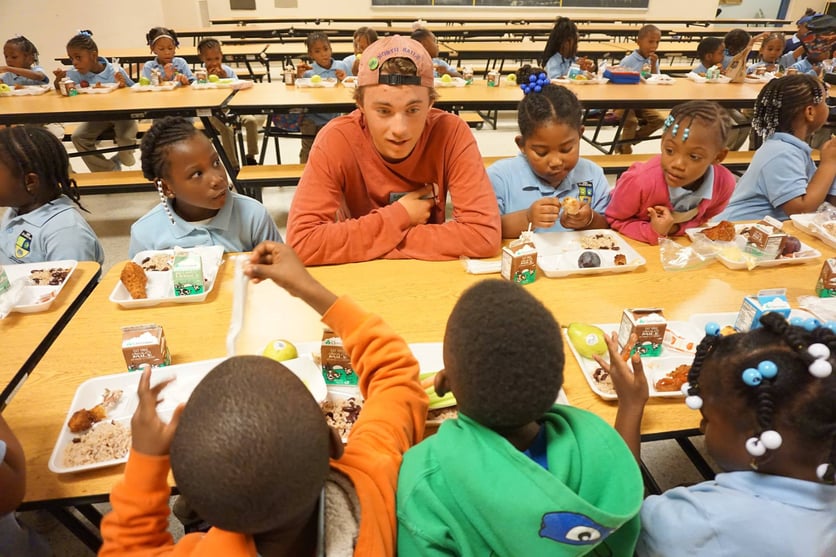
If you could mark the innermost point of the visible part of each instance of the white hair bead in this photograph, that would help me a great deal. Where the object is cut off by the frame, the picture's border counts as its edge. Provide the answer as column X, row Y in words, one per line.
column 821, row 471
column 693, row 402
column 821, row 368
column 819, row 350
column 754, row 447
column 771, row 439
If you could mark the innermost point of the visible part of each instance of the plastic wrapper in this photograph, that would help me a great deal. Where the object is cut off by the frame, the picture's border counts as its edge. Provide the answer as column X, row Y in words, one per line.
column 480, row 266
column 10, row 298
column 239, row 304
column 823, row 308
column 676, row 257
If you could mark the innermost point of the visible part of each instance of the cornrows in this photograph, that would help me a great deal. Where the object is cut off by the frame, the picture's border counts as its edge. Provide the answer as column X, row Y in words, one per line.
column 781, row 100
column 25, row 46
column 155, row 143
column 709, row 113
column 83, row 40
column 208, row 44
column 555, row 104
column 32, row 149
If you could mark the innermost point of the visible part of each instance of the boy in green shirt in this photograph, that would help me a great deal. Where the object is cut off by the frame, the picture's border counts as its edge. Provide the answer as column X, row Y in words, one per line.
column 515, row 473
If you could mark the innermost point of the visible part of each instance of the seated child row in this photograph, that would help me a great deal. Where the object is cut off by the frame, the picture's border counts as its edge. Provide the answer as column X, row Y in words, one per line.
column 684, row 187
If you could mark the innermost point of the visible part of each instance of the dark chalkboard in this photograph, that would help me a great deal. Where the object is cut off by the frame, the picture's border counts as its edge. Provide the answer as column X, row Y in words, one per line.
column 520, row 3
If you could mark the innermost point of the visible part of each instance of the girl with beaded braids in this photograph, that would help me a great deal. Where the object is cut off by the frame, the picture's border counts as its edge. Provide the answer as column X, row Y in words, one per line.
column 766, row 399
column 782, row 179
column 43, row 222
column 682, row 188
column 197, row 207
column 548, row 174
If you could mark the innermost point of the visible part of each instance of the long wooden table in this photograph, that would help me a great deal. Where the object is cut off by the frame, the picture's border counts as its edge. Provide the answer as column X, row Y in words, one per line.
column 415, row 297
column 27, row 336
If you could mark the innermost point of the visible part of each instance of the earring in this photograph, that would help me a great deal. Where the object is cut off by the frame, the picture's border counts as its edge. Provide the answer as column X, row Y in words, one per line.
column 159, row 184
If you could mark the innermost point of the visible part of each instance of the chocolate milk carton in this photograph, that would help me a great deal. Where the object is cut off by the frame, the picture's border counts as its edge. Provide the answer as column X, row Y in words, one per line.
column 336, row 363
column 649, row 324
column 145, row 344
column 519, row 259
column 826, row 285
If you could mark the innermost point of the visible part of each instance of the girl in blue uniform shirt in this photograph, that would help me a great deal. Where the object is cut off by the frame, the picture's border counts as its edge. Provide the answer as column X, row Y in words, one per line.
column 21, row 63
column 430, row 43
column 532, row 187
column 163, row 43
column 782, row 179
column 562, row 50
column 89, row 69
column 197, row 207
column 43, row 222
column 766, row 399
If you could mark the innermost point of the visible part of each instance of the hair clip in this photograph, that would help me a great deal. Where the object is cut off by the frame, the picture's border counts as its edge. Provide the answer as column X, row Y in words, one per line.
column 767, row 440
column 159, row 184
column 535, row 83
column 820, row 367
column 766, row 370
column 84, row 33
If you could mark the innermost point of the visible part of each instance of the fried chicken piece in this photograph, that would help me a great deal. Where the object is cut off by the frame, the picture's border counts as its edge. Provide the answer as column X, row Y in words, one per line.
column 81, row 420
column 723, row 232
column 571, row 205
column 134, row 279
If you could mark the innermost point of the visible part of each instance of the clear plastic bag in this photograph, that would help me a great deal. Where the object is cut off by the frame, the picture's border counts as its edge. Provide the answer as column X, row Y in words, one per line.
column 676, row 257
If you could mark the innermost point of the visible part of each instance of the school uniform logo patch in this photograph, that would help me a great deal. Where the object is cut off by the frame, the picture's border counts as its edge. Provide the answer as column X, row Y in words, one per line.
column 22, row 244
column 572, row 528
column 584, row 191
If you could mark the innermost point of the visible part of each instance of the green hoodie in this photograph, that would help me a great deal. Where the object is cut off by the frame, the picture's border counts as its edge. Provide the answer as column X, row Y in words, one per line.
column 468, row 491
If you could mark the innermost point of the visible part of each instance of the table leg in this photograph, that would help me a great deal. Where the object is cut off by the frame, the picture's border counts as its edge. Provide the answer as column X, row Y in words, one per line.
column 77, row 527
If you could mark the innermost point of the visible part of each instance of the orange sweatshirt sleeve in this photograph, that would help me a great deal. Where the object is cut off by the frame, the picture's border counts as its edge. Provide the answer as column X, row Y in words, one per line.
column 392, row 420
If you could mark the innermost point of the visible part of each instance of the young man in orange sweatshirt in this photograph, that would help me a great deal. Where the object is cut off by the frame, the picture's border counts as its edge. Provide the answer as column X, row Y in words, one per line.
column 252, row 454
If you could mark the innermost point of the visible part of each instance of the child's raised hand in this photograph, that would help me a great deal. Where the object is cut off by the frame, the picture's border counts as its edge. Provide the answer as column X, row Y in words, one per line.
column 169, row 72
column 544, row 212
column 60, row 73
column 630, row 385
column 579, row 220
column 340, row 74
column 301, row 68
column 149, row 434
column 828, row 151
column 120, row 79
column 654, row 62
column 586, row 64
column 661, row 219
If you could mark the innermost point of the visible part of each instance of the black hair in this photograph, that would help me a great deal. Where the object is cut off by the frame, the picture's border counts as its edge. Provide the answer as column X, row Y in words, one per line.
column 504, row 353
column 564, row 28
column 647, row 29
column 25, row 46
column 773, row 37
column 367, row 32
column 251, row 451
column 794, row 400
column 554, row 103
column 709, row 113
column 208, row 43
column 421, row 33
column 83, row 40
column 708, row 45
column 315, row 37
column 736, row 40
column 155, row 32
column 780, row 101
column 33, row 149
column 155, row 144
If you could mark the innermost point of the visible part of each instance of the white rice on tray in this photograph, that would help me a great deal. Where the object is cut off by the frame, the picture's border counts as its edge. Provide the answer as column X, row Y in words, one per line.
column 105, row 441
column 599, row 241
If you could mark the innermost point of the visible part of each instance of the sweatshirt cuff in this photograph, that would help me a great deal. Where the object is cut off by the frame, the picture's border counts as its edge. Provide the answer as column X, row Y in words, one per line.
column 147, row 472
column 344, row 315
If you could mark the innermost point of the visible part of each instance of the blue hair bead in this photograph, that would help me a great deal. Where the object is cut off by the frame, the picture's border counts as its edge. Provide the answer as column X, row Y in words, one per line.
column 768, row 369
column 712, row 329
column 543, row 75
column 752, row 377
column 538, row 88
column 811, row 323
column 532, row 78
column 830, row 325
column 523, row 87
column 797, row 321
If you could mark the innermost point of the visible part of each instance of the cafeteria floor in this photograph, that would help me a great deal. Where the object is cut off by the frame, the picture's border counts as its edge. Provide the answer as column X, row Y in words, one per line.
column 112, row 215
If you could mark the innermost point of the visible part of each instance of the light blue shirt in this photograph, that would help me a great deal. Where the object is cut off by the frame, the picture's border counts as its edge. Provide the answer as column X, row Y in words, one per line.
column 107, row 75
column 349, row 62
column 322, row 118
column 741, row 513
column 685, row 200
column 557, row 66
column 240, row 225
column 52, row 232
column 439, row 62
column 517, row 187
column 784, row 61
column 700, row 69
column 230, row 73
column 180, row 66
column 12, row 79
column 804, row 66
column 779, row 172
column 635, row 62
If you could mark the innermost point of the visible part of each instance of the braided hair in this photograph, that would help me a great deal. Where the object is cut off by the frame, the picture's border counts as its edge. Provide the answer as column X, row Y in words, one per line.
column 33, row 149
column 365, row 32
column 709, row 113
column 793, row 401
column 554, row 104
column 157, row 32
column 83, row 40
column 209, row 43
column 156, row 142
column 708, row 45
column 564, row 29
column 781, row 101
column 26, row 46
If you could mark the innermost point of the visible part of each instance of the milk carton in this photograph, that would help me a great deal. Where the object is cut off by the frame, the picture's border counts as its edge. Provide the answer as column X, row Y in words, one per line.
column 825, row 286
column 187, row 273
column 649, row 325
column 753, row 307
column 336, row 363
column 519, row 259
column 145, row 344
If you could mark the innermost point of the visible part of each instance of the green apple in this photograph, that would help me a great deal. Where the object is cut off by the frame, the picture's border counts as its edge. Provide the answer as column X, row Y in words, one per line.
column 446, row 78
column 213, row 78
column 588, row 340
column 511, row 77
column 144, row 81
column 280, row 350
column 4, row 88
column 316, row 79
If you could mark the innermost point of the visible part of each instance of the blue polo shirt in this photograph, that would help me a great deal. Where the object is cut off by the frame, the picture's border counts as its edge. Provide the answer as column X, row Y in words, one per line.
column 180, row 65
column 51, row 232
column 349, row 63
column 107, row 75
column 11, row 79
column 240, row 225
column 635, row 62
column 557, row 66
column 322, row 118
column 779, row 172
column 804, row 66
column 517, row 187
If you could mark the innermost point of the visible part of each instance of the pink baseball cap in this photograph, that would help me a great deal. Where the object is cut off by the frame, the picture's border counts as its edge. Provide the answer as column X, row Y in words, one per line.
column 395, row 46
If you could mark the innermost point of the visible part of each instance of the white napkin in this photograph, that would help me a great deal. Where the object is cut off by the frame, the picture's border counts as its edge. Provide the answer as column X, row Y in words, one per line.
column 481, row 266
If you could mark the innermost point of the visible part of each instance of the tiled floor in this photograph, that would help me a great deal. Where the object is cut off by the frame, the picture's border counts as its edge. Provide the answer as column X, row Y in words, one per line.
column 112, row 215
